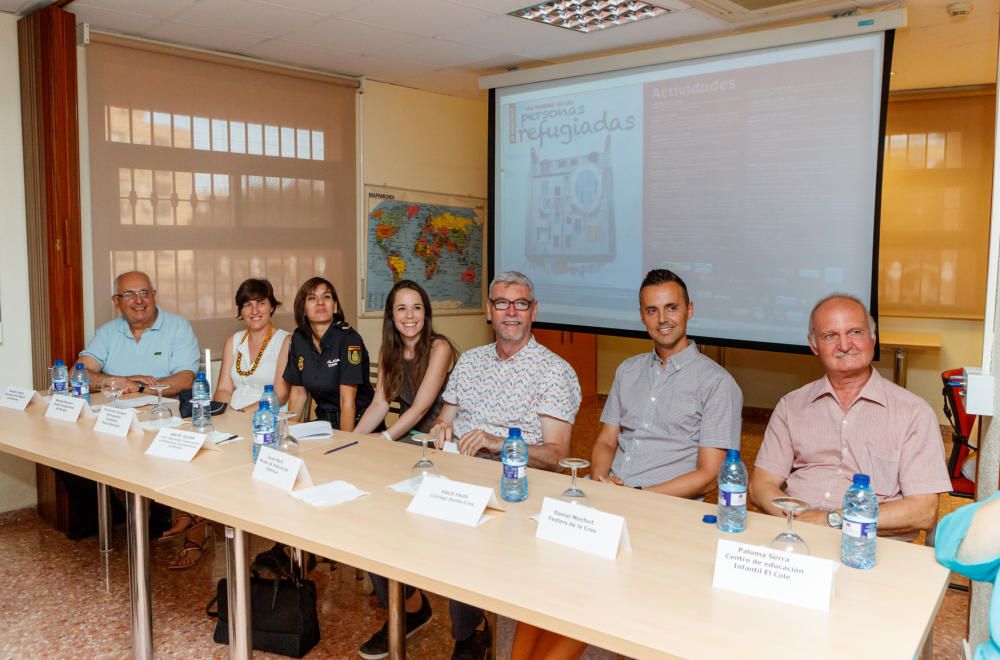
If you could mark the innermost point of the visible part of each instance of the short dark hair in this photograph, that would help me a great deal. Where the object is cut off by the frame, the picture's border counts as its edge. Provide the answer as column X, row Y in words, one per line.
column 299, row 307
column 659, row 276
column 254, row 289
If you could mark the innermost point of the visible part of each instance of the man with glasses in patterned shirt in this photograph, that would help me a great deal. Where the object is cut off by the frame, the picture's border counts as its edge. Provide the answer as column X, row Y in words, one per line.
column 671, row 413
column 513, row 382
column 145, row 345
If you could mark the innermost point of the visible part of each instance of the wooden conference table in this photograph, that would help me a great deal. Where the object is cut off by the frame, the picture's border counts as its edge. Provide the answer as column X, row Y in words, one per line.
column 656, row 600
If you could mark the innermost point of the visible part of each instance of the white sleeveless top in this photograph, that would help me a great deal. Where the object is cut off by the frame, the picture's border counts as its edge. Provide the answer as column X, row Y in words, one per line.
column 247, row 390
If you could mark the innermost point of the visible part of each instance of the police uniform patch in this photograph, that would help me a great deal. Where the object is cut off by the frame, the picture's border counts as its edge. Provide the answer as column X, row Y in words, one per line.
column 302, row 363
column 354, row 354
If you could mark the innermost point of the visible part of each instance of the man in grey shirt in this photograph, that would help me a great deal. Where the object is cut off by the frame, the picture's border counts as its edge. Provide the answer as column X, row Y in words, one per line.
column 672, row 414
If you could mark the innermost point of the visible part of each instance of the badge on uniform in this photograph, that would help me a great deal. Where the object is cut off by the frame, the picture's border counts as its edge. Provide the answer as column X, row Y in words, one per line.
column 302, row 363
column 354, row 354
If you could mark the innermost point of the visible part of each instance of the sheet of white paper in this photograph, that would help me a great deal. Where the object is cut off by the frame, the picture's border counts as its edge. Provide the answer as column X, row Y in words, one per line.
column 450, row 447
column 329, row 494
column 136, row 401
column 318, row 430
column 410, row 486
column 156, row 426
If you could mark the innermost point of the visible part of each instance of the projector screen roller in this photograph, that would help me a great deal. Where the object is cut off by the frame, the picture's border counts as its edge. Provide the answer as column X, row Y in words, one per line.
column 753, row 176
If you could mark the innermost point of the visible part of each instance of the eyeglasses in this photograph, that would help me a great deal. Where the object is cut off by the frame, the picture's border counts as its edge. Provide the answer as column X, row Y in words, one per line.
column 129, row 295
column 521, row 305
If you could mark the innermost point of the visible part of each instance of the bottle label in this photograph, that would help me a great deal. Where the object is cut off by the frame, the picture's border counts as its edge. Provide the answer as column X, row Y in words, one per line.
column 860, row 529
column 58, row 386
column 514, row 471
column 81, row 390
column 264, row 438
column 738, row 498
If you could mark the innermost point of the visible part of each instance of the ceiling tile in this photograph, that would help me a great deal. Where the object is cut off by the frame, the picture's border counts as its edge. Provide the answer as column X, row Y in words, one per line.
column 245, row 16
column 451, row 82
column 114, row 21
column 321, row 7
column 496, row 6
column 438, row 53
column 428, row 18
column 351, row 35
column 154, row 8
column 516, row 35
column 502, row 63
column 228, row 41
column 308, row 55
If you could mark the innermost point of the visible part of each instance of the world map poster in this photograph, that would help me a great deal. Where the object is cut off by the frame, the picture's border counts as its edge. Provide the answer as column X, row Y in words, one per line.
column 435, row 240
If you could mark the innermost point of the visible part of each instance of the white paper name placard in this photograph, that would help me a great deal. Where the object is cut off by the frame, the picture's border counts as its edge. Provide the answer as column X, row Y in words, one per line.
column 582, row 528
column 454, row 501
column 282, row 470
column 176, row 445
column 759, row 571
column 118, row 422
column 18, row 398
column 67, row 408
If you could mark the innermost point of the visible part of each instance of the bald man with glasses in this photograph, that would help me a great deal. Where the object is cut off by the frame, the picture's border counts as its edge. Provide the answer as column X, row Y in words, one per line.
column 144, row 345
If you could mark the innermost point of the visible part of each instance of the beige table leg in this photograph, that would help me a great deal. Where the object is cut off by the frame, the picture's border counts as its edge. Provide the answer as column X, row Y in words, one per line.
column 238, row 593
column 397, row 621
column 138, row 565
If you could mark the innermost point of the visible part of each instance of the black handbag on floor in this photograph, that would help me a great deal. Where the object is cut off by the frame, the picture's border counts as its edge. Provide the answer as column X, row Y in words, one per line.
column 283, row 615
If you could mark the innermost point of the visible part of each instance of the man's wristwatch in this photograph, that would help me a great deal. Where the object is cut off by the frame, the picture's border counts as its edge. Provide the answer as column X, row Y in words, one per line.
column 834, row 519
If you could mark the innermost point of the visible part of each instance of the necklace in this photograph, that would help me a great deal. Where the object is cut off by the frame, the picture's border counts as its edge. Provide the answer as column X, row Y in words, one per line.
column 260, row 353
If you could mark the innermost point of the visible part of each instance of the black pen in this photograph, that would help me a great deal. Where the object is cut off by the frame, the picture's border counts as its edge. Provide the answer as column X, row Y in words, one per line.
column 232, row 437
column 349, row 444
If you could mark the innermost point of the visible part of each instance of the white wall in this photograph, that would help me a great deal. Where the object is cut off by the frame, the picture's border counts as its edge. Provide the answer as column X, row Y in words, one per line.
column 17, row 476
column 430, row 142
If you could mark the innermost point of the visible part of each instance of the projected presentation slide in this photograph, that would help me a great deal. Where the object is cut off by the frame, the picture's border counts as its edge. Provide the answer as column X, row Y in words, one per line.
column 753, row 176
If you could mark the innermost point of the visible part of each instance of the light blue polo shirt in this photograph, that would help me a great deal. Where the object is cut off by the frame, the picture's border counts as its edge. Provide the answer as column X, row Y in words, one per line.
column 168, row 347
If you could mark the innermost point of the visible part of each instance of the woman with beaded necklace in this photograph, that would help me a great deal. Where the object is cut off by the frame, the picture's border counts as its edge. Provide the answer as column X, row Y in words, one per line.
column 255, row 356
column 252, row 358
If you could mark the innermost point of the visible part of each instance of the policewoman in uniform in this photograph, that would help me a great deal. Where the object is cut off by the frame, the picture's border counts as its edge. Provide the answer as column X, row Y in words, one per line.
column 327, row 358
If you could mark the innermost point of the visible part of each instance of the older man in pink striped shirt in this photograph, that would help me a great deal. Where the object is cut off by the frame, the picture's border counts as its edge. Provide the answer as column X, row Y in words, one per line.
column 852, row 420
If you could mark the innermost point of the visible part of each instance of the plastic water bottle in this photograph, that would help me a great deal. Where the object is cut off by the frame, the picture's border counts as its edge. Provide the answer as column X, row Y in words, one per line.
column 860, row 527
column 80, row 383
column 264, row 423
column 201, row 404
column 271, row 397
column 60, row 378
column 514, row 454
column 732, row 493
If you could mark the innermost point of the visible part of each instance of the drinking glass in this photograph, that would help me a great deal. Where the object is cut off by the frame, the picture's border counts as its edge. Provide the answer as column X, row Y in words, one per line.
column 424, row 466
column 160, row 414
column 573, row 494
column 286, row 441
column 112, row 389
column 788, row 540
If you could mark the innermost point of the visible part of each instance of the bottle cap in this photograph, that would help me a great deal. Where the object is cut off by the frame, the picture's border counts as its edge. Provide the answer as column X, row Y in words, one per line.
column 201, row 375
column 269, row 388
column 862, row 480
column 59, row 363
column 79, row 366
column 709, row 518
column 514, row 432
column 732, row 454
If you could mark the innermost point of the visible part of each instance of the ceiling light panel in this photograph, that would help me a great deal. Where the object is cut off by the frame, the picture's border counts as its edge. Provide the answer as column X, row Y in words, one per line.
column 589, row 15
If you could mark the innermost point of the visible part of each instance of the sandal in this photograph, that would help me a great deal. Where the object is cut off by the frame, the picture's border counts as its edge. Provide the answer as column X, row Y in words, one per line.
column 184, row 523
column 189, row 555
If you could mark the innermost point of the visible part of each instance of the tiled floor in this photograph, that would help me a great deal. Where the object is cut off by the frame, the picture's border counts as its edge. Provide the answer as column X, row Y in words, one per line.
column 59, row 602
